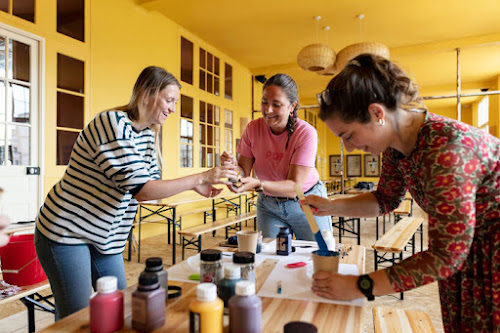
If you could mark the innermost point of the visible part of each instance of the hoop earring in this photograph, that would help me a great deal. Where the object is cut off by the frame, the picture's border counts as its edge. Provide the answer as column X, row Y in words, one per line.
column 381, row 121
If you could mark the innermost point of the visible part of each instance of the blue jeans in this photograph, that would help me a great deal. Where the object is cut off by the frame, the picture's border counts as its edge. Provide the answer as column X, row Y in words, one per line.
column 73, row 270
column 273, row 213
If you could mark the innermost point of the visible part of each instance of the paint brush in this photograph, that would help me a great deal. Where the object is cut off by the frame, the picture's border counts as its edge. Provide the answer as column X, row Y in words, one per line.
column 323, row 249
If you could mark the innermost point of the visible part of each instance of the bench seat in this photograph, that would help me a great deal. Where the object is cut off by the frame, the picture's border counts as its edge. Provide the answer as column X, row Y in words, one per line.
column 386, row 320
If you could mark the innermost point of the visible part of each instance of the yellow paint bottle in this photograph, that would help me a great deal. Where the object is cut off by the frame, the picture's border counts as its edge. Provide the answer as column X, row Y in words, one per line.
column 206, row 312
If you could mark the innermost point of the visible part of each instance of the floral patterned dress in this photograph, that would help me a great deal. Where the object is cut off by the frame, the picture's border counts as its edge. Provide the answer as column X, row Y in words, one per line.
column 454, row 176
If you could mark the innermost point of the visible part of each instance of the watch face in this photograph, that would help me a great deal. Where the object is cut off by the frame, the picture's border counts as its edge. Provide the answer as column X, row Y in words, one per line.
column 365, row 284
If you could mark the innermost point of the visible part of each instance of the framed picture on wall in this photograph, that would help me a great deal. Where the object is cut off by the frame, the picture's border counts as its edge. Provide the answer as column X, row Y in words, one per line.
column 371, row 165
column 353, row 165
column 335, row 166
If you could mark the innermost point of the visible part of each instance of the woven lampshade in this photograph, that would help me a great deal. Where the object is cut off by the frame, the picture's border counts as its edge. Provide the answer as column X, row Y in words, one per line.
column 316, row 57
column 332, row 70
column 352, row 51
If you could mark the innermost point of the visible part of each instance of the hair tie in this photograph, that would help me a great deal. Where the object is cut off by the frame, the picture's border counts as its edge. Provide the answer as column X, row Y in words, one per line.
column 354, row 62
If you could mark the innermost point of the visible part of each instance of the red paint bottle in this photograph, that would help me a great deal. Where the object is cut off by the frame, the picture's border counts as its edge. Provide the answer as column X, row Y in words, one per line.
column 106, row 306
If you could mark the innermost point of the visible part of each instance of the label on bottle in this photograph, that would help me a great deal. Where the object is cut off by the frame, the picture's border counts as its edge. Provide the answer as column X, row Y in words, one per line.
column 139, row 311
column 194, row 322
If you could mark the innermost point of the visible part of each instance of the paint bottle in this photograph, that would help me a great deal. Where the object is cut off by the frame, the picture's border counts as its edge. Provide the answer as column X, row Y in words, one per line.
column 106, row 306
column 227, row 285
column 284, row 242
column 246, row 262
column 148, row 303
column 206, row 312
column 155, row 265
column 211, row 266
column 299, row 327
column 329, row 240
column 245, row 309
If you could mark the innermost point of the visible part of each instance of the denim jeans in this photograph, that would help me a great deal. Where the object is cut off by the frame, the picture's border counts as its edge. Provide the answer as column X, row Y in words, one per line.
column 273, row 213
column 73, row 270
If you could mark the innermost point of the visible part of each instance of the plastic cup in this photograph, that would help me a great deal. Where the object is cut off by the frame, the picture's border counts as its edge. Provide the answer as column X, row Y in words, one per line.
column 247, row 241
column 329, row 263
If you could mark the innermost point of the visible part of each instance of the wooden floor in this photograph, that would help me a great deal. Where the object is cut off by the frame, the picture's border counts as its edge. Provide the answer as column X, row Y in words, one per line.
column 13, row 315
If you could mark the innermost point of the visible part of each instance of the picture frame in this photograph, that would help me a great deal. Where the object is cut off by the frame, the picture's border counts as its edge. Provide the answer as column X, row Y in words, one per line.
column 335, row 166
column 353, row 165
column 371, row 165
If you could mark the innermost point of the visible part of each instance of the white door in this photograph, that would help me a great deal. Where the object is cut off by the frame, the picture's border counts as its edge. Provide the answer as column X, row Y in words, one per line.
column 19, row 126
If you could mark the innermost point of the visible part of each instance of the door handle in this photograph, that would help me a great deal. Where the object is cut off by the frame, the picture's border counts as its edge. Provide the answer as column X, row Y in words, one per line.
column 33, row 170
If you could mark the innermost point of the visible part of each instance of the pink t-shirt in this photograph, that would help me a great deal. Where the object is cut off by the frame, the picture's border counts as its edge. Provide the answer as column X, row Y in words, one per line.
column 272, row 161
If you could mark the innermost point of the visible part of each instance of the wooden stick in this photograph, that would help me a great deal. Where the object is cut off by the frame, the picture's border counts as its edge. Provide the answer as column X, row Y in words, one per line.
column 307, row 210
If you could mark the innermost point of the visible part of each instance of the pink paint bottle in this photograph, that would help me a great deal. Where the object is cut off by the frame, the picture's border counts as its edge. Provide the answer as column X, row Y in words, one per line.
column 106, row 306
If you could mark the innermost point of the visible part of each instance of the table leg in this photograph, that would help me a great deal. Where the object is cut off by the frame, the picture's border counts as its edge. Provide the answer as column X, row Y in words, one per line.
column 31, row 313
column 174, row 219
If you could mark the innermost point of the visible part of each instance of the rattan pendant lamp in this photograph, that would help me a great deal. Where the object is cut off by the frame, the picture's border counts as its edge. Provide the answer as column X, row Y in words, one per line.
column 316, row 57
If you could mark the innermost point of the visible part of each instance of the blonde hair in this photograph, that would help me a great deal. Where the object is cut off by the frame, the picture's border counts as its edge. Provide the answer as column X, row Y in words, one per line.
column 150, row 82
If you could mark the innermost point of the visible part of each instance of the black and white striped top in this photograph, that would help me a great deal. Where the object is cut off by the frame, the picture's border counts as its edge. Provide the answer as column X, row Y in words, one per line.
column 93, row 202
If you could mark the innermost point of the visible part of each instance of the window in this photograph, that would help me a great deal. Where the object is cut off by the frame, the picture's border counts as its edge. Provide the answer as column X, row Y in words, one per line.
column 209, row 135
column 209, row 72
column 186, row 132
column 71, row 18
column 228, row 86
column 310, row 117
column 24, row 9
column 70, row 105
column 186, row 61
column 228, row 130
column 483, row 109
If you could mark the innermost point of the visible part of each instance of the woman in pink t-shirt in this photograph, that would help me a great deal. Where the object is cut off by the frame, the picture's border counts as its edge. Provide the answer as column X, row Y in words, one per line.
column 281, row 149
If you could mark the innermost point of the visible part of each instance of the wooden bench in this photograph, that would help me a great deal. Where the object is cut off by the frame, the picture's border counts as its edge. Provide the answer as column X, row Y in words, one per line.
column 386, row 320
column 192, row 235
column 404, row 209
column 397, row 238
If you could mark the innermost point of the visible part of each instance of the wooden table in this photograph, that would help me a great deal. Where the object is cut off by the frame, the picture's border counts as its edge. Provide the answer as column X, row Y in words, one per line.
column 166, row 209
column 276, row 312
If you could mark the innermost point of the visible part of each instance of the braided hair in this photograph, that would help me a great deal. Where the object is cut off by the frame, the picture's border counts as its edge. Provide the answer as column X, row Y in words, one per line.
column 289, row 87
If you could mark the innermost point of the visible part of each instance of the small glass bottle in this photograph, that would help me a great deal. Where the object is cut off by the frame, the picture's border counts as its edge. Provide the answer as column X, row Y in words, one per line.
column 227, row 285
column 211, row 266
column 246, row 262
column 245, row 309
column 106, row 306
column 155, row 265
column 206, row 311
column 284, row 242
column 148, row 303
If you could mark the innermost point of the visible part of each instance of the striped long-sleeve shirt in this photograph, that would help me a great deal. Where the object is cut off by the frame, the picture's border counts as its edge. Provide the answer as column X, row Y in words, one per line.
column 93, row 202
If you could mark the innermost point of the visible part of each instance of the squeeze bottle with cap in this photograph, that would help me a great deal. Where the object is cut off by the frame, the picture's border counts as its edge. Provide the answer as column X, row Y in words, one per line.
column 106, row 306
column 148, row 303
column 155, row 265
column 227, row 285
column 206, row 311
column 245, row 309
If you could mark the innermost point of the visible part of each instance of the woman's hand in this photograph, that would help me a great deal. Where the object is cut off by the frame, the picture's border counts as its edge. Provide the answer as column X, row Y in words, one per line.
column 207, row 190
column 4, row 222
column 227, row 159
column 319, row 206
column 219, row 175
column 336, row 286
column 247, row 184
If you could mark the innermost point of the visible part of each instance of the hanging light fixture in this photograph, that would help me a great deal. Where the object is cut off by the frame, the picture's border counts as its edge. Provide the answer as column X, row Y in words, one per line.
column 332, row 70
column 316, row 57
column 349, row 52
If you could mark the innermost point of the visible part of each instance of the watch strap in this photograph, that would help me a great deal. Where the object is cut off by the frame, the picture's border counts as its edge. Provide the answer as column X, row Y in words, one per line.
column 365, row 285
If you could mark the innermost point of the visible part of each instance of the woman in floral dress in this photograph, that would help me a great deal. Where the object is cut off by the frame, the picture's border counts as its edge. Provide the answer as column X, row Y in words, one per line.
column 451, row 169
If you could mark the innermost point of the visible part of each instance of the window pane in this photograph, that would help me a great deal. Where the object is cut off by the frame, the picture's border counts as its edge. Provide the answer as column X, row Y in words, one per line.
column 203, row 136
column 202, row 58
column 210, row 157
column 4, row 5
column 216, row 157
column 18, row 140
column 2, row 56
column 71, row 18
column 186, row 60
column 2, row 101
column 228, row 118
column 216, row 115
column 202, row 111
column 69, row 110
column 186, row 131
column 210, row 85
column 186, row 156
column 210, row 113
column 228, row 81
column 2, row 144
column 19, row 66
column 216, row 86
column 217, row 136
column 65, row 142
column 210, row 58
column 202, row 80
column 210, row 135
column 203, row 161
column 186, row 107
column 24, row 9
column 20, row 104
column 216, row 66
column 70, row 73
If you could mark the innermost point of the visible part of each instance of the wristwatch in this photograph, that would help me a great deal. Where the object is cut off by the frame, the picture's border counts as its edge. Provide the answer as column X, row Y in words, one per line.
column 365, row 285
column 260, row 188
